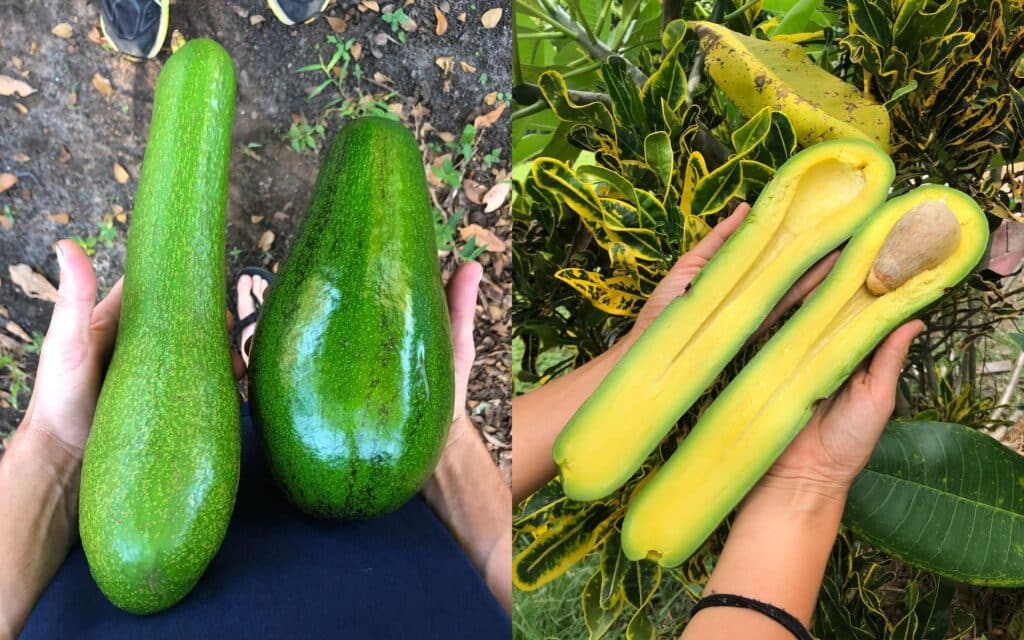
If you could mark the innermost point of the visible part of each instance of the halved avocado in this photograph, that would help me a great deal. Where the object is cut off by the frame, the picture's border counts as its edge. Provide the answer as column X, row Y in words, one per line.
column 814, row 203
column 748, row 426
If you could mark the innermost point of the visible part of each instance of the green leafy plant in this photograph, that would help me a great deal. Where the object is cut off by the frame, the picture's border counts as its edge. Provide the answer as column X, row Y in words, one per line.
column 399, row 22
column 16, row 378
column 303, row 136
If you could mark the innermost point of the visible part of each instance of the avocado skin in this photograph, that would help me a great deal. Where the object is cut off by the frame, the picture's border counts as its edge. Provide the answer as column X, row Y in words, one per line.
column 351, row 377
column 160, row 468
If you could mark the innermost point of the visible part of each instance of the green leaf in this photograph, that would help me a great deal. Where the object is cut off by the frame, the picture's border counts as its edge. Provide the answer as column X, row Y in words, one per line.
column 714, row 190
column 753, row 132
column 625, row 97
column 668, row 83
column 640, row 626
column 641, row 581
column 658, row 155
column 872, row 19
column 594, row 114
column 598, row 618
column 944, row 498
column 797, row 18
column 1016, row 339
column 899, row 93
column 565, row 541
column 609, row 296
column 613, row 570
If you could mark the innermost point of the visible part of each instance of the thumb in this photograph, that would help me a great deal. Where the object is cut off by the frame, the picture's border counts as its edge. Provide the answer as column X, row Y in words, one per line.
column 462, row 291
column 67, row 339
column 884, row 370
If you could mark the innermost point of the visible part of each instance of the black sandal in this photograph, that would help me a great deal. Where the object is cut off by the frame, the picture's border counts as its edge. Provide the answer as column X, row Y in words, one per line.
column 257, row 305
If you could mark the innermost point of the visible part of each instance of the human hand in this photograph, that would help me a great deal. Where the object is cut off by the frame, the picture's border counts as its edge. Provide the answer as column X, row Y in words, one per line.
column 841, row 434
column 686, row 268
column 461, row 292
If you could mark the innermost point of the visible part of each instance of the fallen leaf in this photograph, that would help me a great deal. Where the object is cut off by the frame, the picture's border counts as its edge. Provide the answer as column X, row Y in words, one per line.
column 484, row 237
column 239, row 11
column 491, row 17
column 337, row 25
column 62, row 30
column 121, row 217
column 496, row 196
column 11, row 87
column 468, row 68
column 4, row 313
column 33, row 284
column 102, row 84
column 16, row 61
column 266, row 240
column 369, row 5
column 397, row 109
column 461, row 17
column 446, row 136
column 442, row 22
column 474, row 190
column 356, row 50
column 15, row 330
column 60, row 218
column 256, row 19
column 177, row 40
column 445, row 62
column 21, row 108
column 409, row 25
column 487, row 119
column 94, row 36
column 7, row 180
column 120, row 173
column 21, row 157
column 255, row 219
column 380, row 78
column 72, row 99
column 491, row 98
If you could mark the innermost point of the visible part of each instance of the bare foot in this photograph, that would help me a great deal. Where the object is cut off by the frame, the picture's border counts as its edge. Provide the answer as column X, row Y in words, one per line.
column 249, row 287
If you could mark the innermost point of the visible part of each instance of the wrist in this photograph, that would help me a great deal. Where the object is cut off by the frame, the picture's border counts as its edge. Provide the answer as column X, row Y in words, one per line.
column 796, row 496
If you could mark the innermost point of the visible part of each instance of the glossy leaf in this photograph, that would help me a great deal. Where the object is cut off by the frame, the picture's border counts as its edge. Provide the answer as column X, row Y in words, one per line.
column 658, row 154
column 594, row 114
column 944, row 498
column 602, row 293
column 564, row 543
column 641, row 581
column 640, row 626
column 597, row 618
column 613, row 570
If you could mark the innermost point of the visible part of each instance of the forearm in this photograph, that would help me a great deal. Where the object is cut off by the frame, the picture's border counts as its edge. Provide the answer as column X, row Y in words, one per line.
column 470, row 496
column 39, row 478
column 540, row 415
column 776, row 552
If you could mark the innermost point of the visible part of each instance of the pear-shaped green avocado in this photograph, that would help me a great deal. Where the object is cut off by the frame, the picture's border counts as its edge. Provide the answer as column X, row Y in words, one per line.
column 351, row 379
column 161, row 465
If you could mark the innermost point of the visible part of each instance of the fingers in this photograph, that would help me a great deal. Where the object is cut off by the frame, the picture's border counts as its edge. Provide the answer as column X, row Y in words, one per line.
column 804, row 287
column 105, row 318
column 884, row 370
column 712, row 242
column 462, row 292
column 68, row 335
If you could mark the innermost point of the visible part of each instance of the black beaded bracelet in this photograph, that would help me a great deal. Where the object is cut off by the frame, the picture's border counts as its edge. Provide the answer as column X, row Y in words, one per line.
column 784, row 618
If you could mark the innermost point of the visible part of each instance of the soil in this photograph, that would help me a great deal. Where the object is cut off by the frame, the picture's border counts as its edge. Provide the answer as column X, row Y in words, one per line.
column 63, row 141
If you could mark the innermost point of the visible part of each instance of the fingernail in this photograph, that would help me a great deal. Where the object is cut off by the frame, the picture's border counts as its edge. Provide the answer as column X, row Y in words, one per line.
column 60, row 256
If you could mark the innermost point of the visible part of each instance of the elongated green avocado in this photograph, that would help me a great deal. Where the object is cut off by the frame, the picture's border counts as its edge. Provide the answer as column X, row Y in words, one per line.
column 749, row 425
column 351, row 379
column 814, row 202
column 161, row 464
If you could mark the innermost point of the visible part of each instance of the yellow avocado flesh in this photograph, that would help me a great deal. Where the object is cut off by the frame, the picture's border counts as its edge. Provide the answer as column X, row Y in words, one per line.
column 813, row 204
column 749, row 425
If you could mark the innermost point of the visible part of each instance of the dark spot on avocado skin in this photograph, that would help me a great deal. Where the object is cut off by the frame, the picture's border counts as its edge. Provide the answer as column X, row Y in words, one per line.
column 760, row 80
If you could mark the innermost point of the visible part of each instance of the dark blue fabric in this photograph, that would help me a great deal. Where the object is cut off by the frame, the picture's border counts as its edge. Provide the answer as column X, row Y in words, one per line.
column 280, row 574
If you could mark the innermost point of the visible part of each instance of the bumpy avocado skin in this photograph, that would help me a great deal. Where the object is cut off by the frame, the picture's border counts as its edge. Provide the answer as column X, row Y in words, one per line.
column 160, row 468
column 351, row 376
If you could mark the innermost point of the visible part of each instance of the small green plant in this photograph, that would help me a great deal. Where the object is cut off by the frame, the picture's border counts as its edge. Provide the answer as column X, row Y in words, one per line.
column 492, row 157
column 37, row 343
column 8, row 214
column 88, row 244
column 471, row 250
column 107, row 233
column 16, row 378
column 444, row 230
column 235, row 252
column 484, row 78
column 448, row 174
column 397, row 19
column 303, row 136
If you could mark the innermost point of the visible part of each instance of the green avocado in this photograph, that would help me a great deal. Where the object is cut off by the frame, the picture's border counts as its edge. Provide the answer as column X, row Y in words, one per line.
column 160, row 468
column 351, row 377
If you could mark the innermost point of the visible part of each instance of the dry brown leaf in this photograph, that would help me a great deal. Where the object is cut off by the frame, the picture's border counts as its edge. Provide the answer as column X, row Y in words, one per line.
column 72, row 99
column 239, row 11
column 33, row 284
column 63, row 30
column 442, row 22
column 266, row 240
column 22, row 109
column 12, row 87
column 94, row 36
column 7, row 180
column 337, row 25
column 256, row 19
column 380, row 78
column 60, row 218
column 121, row 217
column 177, row 40
column 102, row 85
column 474, row 190
column 445, row 62
column 491, row 17
column 491, row 98
column 4, row 313
column 409, row 26
column 120, row 173
column 489, row 118
column 15, row 330
column 398, row 109
column 496, row 196
column 484, row 237
column 356, row 50
column 369, row 5
column 16, row 61
column 446, row 136
column 468, row 68
column 461, row 17
column 21, row 157
column 255, row 219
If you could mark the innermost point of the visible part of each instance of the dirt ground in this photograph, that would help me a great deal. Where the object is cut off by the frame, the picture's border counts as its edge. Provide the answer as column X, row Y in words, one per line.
column 63, row 140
